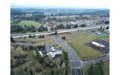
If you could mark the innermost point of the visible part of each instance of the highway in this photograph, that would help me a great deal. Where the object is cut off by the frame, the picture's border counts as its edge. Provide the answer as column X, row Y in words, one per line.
column 17, row 35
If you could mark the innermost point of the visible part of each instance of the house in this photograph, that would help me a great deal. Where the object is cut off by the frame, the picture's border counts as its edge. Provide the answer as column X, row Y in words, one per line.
column 53, row 51
column 53, row 54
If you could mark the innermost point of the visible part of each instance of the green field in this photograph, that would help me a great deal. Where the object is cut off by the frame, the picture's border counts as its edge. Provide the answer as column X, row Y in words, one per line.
column 78, row 43
column 29, row 23
column 36, row 40
column 105, row 68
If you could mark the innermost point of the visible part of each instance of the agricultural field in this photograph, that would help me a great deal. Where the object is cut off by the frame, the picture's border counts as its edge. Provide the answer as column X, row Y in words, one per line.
column 29, row 23
column 78, row 43
column 105, row 69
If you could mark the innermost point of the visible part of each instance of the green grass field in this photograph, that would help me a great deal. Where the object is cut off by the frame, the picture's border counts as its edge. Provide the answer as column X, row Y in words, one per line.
column 105, row 68
column 29, row 23
column 36, row 40
column 78, row 43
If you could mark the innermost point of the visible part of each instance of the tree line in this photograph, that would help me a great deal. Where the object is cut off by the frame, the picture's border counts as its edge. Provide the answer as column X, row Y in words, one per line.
column 96, row 69
column 24, row 29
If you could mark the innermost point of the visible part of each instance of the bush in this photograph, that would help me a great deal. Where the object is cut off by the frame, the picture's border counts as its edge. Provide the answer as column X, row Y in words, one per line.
column 41, row 36
column 83, row 25
column 64, row 38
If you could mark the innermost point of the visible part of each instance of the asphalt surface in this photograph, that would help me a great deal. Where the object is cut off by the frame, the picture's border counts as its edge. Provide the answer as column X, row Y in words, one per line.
column 75, row 62
column 93, row 61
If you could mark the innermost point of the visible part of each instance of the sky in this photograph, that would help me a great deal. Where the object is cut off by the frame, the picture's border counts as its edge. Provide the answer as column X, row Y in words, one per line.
column 63, row 3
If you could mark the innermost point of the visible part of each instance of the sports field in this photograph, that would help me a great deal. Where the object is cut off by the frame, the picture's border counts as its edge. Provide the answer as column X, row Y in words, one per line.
column 78, row 43
column 29, row 23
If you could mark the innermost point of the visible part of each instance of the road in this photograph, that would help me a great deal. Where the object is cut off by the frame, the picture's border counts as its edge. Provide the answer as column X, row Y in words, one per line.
column 93, row 61
column 17, row 35
column 75, row 62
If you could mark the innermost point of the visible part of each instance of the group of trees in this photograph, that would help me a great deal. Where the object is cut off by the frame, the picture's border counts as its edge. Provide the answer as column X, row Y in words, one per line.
column 41, row 36
column 106, row 22
column 18, row 58
column 96, row 69
column 12, row 39
column 18, row 28
column 46, row 65
column 61, row 65
column 101, row 28
column 68, row 26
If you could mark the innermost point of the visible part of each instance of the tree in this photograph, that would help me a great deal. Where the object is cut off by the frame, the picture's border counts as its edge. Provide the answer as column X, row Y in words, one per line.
column 38, row 56
column 68, row 26
column 41, row 36
column 52, row 28
column 106, row 22
column 91, row 70
column 76, row 26
column 12, row 39
column 38, row 68
column 30, row 36
column 55, row 33
column 60, row 26
column 64, row 38
column 33, row 29
column 83, row 25
column 107, row 27
column 101, row 28
column 34, row 36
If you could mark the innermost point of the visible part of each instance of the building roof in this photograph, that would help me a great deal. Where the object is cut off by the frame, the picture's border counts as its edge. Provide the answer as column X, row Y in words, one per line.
column 98, row 44
column 41, row 53
column 54, row 53
column 53, row 49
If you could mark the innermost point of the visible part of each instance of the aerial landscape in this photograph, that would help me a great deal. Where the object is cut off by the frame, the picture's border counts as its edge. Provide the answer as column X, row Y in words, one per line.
column 59, row 41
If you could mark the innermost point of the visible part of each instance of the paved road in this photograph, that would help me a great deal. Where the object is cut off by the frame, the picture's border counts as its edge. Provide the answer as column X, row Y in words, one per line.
column 75, row 62
column 59, row 31
column 93, row 61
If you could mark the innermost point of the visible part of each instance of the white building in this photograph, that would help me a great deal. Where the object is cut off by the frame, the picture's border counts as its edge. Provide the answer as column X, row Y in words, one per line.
column 53, row 54
column 96, row 44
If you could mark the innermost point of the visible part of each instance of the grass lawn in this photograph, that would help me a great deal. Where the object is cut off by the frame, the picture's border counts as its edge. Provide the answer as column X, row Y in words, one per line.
column 105, row 68
column 78, row 43
column 36, row 40
column 29, row 23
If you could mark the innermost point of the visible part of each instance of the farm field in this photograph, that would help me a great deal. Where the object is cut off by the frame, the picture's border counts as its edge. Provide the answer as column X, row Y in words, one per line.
column 105, row 68
column 29, row 23
column 78, row 43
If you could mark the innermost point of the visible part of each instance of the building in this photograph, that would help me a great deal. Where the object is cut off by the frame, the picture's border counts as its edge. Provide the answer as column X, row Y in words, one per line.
column 52, row 51
column 98, row 45
column 53, row 54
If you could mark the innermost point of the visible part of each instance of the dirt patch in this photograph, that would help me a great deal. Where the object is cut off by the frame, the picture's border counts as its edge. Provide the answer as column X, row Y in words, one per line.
column 66, row 34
